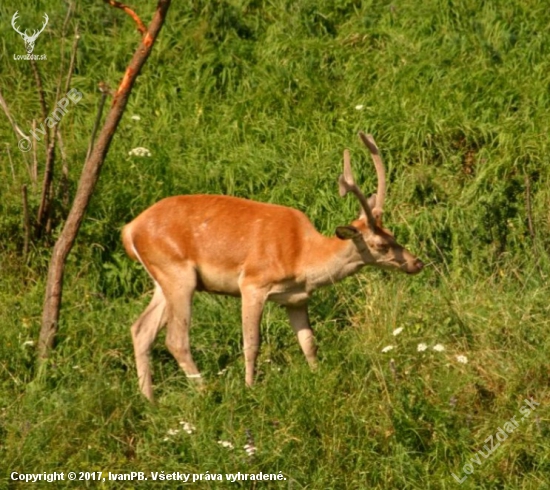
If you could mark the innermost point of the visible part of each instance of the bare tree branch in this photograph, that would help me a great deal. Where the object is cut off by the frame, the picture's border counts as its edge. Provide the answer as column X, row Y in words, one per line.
column 73, row 60
column 18, row 131
column 26, row 221
column 45, row 198
column 41, row 97
column 11, row 161
column 130, row 12
column 34, row 169
column 64, row 182
column 88, row 181
column 62, row 64
column 528, row 207
column 104, row 89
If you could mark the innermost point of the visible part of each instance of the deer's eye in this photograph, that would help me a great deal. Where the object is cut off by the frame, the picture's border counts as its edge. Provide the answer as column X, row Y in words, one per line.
column 382, row 247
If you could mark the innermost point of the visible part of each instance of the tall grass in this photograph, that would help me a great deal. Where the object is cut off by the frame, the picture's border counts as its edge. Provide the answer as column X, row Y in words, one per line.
column 258, row 99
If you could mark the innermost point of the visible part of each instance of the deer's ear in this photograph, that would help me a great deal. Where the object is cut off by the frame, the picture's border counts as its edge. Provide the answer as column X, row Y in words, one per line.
column 347, row 232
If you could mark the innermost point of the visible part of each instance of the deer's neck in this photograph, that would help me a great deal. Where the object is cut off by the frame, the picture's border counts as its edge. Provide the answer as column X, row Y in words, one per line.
column 330, row 260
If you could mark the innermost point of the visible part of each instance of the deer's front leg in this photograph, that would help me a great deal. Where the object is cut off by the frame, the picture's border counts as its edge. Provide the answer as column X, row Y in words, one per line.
column 299, row 320
column 253, row 302
column 179, row 294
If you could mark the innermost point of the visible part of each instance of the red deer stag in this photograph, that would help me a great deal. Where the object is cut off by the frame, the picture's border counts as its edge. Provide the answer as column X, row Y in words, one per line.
column 254, row 250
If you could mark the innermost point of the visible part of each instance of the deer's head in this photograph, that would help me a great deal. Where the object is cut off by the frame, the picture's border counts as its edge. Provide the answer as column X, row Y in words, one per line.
column 29, row 39
column 376, row 244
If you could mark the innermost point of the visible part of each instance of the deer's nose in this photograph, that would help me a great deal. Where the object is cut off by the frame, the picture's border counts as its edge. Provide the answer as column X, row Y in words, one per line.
column 418, row 265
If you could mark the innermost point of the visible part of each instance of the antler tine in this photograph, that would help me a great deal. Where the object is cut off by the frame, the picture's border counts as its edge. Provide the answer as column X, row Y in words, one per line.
column 346, row 183
column 369, row 142
column 35, row 33
column 13, row 19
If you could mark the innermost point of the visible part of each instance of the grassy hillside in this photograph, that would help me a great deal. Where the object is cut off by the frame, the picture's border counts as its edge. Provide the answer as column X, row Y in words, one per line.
column 258, row 99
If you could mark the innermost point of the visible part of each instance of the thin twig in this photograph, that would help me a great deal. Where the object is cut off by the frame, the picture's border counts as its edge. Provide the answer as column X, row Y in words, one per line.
column 45, row 199
column 34, row 169
column 67, row 17
column 26, row 221
column 11, row 161
column 104, row 89
column 41, row 97
column 18, row 131
column 49, row 217
column 528, row 206
column 73, row 59
column 140, row 26
column 62, row 64
column 64, row 184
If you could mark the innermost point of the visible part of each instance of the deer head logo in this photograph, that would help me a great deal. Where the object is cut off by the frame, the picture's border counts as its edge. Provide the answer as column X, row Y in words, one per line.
column 29, row 40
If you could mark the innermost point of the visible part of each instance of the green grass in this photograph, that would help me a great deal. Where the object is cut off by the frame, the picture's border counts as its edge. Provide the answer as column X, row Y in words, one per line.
column 259, row 99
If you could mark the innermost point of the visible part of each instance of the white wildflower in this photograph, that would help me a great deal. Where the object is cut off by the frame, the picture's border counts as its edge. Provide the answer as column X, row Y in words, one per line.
column 462, row 359
column 187, row 427
column 359, row 107
column 226, row 444
column 438, row 347
column 421, row 347
column 250, row 449
column 172, row 432
column 136, row 118
column 139, row 152
column 387, row 348
column 28, row 343
column 397, row 331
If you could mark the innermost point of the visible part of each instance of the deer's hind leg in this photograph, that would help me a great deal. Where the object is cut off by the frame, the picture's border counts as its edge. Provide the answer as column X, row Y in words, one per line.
column 144, row 332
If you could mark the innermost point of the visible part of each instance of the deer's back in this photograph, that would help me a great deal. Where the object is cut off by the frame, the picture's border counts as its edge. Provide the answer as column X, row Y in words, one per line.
column 225, row 238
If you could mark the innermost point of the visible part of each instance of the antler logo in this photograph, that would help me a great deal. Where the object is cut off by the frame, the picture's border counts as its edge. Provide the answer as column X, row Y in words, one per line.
column 29, row 40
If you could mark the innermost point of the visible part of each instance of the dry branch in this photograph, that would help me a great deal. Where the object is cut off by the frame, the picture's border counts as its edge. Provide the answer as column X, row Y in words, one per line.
column 62, row 64
column 46, row 196
column 34, row 169
column 130, row 12
column 41, row 96
column 528, row 207
column 26, row 221
column 18, row 131
column 11, row 162
column 104, row 92
column 64, row 182
column 73, row 60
